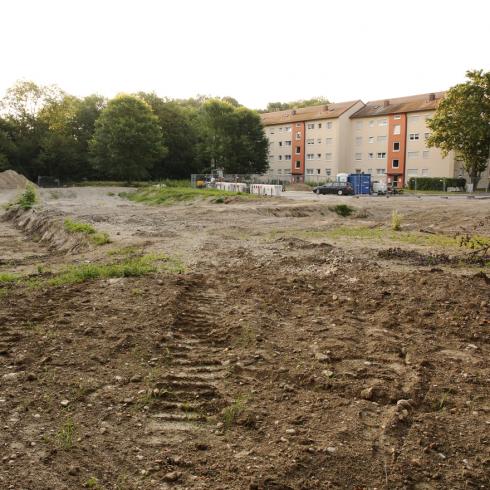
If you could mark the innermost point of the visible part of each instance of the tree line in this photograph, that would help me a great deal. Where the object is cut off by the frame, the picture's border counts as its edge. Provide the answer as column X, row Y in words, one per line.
column 45, row 131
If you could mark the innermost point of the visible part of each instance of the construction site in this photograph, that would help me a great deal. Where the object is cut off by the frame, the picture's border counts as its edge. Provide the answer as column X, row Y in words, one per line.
column 231, row 341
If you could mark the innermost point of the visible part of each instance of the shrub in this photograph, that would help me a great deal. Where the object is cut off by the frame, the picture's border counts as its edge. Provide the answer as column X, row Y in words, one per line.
column 434, row 183
column 342, row 209
column 28, row 198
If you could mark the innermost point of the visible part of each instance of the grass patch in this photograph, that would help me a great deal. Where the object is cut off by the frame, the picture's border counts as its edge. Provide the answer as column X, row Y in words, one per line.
column 173, row 195
column 342, row 209
column 396, row 221
column 128, row 250
column 27, row 199
column 7, row 278
column 96, row 237
column 233, row 411
column 66, row 435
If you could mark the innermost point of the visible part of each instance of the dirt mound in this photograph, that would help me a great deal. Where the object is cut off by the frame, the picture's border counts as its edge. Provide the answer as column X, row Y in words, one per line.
column 46, row 227
column 293, row 211
column 418, row 258
column 10, row 179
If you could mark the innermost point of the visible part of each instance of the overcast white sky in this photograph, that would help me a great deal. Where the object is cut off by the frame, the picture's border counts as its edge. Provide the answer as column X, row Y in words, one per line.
column 255, row 51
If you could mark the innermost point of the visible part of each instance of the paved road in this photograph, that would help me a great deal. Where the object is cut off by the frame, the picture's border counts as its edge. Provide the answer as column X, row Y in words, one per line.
column 310, row 196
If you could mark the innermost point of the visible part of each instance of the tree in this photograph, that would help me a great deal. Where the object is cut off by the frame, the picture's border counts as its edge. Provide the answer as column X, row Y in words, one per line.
column 296, row 104
column 231, row 139
column 7, row 145
column 179, row 137
column 127, row 140
column 462, row 123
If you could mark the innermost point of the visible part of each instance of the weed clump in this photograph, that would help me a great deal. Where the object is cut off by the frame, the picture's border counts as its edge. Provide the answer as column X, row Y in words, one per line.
column 233, row 411
column 66, row 435
column 396, row 221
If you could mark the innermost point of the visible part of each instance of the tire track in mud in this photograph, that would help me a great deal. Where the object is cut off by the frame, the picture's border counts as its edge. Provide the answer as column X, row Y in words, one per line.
column 188, row 392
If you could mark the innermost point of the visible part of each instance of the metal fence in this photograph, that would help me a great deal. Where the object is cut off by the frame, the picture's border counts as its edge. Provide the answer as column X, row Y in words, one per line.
column 210, row 180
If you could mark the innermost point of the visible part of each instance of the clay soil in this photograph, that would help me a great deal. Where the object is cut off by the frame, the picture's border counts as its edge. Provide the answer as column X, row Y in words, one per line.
column 284, row 357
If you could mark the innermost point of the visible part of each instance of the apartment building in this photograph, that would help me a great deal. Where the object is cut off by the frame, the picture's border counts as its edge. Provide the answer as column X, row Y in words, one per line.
column 385, row 138
column 311, row 140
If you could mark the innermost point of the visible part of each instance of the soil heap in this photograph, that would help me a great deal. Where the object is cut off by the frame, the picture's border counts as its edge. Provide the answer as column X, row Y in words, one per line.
column 10, row 179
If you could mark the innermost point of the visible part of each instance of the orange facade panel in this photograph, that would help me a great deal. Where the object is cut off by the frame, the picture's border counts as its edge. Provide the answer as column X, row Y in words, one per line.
column 397, row 138
column 298, row 149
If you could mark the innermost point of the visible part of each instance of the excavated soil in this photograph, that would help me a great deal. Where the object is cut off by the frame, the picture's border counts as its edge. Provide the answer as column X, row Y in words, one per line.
column 280, row 359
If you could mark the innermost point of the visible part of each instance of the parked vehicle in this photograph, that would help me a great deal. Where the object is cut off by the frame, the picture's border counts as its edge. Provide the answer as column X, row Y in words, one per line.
column 379, row 188
column 339, row 188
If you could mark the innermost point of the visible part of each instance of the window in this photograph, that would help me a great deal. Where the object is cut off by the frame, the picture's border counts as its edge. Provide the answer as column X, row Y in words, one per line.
column 425, row 154
column 396, row 129
column 358, row 124
column 329, row 125
column 413, row 154
column 397, row 116
column 328, row 171
column 319, row 156
column 287, row 143
column 328, row 141
column 381, row 139
column 287, row 170
column 411, row 171
column 359, row 141
column 358, row 170
column 395, row 163
column 309, row 171
column 381, row 155
column 380, row 171
column 287, row 157
column 371, row 123
column 319, row 125
column 328, row 157
column 288, row 129
column 383, row 122
column 310, row 156
column 271, row 157
column 319, row 140
column 280, row 143
column 311, row 126
column 280, row 157
column 298, row 135
column 371, row 139
column 396, row 146
column 318, row 171
column 425, row 172
column 310, row 141
column 297, row 164
column 414, row 136
column 426, row 136
column 298, row 125
column 272, row 131
column 279, row 171
column 280, row 130
column 358, row 156
column 415, row 119
column 298, row 150
column 369, row 170
column 370, row 156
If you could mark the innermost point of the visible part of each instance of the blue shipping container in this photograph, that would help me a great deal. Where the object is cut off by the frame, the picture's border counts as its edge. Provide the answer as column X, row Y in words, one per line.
column 360, row 182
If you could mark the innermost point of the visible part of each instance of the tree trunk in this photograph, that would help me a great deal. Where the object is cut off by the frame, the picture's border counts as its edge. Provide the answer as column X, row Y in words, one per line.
column 475, row 178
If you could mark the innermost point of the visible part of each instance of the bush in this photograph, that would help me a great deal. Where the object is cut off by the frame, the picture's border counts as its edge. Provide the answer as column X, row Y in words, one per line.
column 342, row 209
column 434, row 183
column 396, row 221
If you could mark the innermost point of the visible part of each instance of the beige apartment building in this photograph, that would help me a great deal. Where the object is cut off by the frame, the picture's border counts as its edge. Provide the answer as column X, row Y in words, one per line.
column 385, row 138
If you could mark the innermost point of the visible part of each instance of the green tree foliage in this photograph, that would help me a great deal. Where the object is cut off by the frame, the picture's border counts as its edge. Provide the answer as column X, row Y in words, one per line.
column 127, row 140
column 462, row 123
column 7, row 145
column 231, row 139
column 296, row 104
column 179, row 136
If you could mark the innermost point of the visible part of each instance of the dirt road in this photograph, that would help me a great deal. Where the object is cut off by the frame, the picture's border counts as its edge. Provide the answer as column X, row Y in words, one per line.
column 299, row 349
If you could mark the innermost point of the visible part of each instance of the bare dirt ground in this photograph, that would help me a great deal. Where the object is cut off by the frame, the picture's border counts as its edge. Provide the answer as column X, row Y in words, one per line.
column 288, row 355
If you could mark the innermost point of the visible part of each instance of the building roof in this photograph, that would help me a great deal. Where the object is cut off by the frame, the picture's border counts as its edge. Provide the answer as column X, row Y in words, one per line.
column 413, row 103
column 324, row 111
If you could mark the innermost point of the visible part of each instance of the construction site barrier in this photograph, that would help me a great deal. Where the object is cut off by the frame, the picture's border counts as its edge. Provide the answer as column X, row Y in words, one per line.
column 266, row 190
column 231, row 186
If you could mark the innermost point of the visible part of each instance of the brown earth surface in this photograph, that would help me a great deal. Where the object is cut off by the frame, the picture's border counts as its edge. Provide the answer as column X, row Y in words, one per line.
column 286, row 356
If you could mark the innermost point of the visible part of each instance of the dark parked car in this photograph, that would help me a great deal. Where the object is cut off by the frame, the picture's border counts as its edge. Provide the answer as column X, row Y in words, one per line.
column 340, row 188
